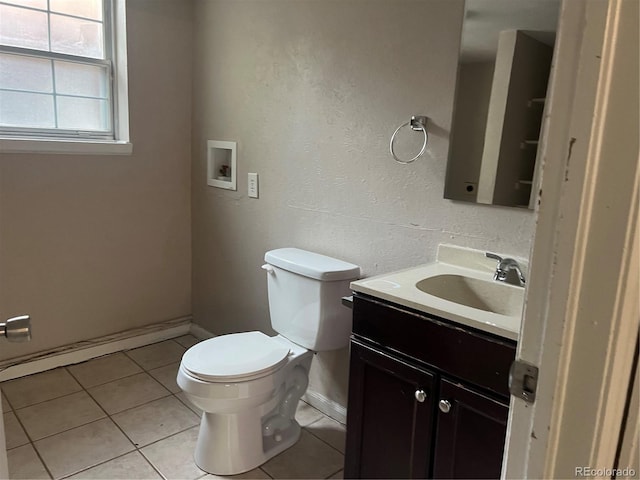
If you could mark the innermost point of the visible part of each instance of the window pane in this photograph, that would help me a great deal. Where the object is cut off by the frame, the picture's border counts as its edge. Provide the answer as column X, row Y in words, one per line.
column 78, row 8
column 29, row 3
column 23, row 28
column 19, row 72
column 83, row 113
column 21, row 109
column 76, row 36
column 85, row 80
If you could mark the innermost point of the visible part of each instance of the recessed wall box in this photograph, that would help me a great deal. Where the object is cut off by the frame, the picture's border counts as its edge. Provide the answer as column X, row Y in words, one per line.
column 221, row 164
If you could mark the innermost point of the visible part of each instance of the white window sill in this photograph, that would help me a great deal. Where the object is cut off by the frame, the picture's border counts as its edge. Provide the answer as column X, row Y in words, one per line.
column 69, row 147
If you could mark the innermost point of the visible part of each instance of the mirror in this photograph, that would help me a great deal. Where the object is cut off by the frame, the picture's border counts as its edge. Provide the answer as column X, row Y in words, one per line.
column 503, row 71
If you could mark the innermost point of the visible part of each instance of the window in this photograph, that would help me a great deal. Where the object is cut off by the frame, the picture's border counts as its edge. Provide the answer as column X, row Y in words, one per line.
column 60, row 77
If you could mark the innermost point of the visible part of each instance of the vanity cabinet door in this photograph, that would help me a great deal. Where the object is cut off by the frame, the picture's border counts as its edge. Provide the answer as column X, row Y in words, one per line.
column 470, row 434
column 390, row 416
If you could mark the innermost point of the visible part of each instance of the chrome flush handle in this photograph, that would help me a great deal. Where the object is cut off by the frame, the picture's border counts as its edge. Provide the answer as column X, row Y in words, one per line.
column 269, row 269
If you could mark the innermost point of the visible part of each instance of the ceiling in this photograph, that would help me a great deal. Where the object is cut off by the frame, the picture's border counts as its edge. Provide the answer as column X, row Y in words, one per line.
column 485, row 19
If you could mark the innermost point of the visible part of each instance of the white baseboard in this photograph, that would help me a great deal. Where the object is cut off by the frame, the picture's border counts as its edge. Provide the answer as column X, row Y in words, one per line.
column 326, row 406
column 139, row 337
column 199, row 332
column 83, row 351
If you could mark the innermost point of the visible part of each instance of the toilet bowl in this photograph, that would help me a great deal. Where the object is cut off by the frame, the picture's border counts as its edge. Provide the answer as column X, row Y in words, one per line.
column 248, row 414
column 248, row 384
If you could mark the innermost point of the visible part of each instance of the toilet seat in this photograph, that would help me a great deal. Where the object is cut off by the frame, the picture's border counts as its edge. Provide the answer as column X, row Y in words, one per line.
column 235, row 357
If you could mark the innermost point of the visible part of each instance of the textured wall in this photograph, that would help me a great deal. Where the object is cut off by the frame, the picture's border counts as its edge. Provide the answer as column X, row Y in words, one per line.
column 92, row 245
column 311, row 91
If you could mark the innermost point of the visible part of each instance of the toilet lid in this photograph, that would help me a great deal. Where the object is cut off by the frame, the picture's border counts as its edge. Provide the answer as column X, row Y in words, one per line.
column 236, row 355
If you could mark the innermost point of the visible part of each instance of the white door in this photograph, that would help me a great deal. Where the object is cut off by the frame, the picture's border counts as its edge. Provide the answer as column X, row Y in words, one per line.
column 581, row 317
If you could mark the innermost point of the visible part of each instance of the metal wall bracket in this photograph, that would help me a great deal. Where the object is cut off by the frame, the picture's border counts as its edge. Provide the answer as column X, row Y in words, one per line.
column 348, row 301
column 418, row 122
column 523, row 380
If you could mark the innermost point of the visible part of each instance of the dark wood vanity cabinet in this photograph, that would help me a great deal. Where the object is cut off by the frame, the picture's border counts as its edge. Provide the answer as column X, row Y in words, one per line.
column 389, row 429
column 427, row 398
column 470, row 437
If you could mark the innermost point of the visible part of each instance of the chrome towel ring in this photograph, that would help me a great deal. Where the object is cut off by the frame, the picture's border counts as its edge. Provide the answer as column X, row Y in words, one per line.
column 418, row 124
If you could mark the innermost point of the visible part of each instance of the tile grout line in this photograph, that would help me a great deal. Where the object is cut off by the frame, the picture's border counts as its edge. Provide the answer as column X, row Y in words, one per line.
column 135, row 447
column 48, row 399
column 158, row 366
column 126, row 409
column 25, row 433
column 306, row 428
column 323, row 441
column 31, row 442
column 7, row 400
column 335, row 473
column 184, row 403
column 138, row 448
column 33, row 445
column 164, row 438
column 95, row 464
column 264, row 471
column 133, row 444
column 175, row 340
column 45, row 401
column 160, row 440
column 104, row 383
column 102, row 463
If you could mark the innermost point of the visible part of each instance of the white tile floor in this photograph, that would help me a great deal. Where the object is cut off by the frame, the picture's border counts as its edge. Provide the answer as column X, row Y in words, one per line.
column 123, row 416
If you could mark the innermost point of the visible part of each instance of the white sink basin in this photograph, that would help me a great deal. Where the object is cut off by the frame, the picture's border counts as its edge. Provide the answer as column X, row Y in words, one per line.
column 459, row 287
column 490, row 296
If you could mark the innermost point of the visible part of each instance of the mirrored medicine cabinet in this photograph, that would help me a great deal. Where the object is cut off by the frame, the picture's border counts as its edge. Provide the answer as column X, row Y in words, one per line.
column 503, row 72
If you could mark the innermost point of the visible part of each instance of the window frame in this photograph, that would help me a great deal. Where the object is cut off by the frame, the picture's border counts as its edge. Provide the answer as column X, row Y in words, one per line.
column 73, row 141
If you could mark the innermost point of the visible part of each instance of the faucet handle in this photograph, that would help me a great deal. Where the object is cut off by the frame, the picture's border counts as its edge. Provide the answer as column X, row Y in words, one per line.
column 500, row 274
column 494, row 256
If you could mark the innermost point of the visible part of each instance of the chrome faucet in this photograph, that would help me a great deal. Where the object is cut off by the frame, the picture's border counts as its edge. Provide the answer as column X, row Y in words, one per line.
column 507, row 271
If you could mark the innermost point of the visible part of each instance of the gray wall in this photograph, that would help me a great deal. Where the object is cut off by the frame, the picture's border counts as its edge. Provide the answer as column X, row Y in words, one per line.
column 93, row 245
column 312, row 91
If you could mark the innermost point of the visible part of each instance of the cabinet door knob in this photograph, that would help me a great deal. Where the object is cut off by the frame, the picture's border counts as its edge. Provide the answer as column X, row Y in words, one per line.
column 444, row 405
column 420, row 395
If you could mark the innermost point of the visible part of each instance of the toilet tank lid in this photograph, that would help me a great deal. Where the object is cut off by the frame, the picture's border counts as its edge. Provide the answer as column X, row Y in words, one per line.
column 312, row 265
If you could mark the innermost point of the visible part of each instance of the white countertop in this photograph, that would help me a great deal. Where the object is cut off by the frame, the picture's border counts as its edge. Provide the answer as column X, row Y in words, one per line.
column 400, row 288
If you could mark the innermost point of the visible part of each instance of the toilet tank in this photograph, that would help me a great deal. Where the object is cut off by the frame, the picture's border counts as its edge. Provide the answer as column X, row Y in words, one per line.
column 305, row 292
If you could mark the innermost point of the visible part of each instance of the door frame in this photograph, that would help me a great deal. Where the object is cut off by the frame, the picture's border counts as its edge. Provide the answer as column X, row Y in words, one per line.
column 581, row 315
column 4, row 465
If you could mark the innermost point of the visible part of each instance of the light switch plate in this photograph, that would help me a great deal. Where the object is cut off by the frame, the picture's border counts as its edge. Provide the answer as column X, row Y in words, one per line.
column 253, row 185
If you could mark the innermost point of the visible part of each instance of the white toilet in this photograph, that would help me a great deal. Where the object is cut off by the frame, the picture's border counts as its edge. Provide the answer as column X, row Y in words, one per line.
column 248, row 384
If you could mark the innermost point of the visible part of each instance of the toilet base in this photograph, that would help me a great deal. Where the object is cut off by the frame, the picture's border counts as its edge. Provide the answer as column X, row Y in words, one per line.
column 246, row 424
column 230, row 444
column 233, row 443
